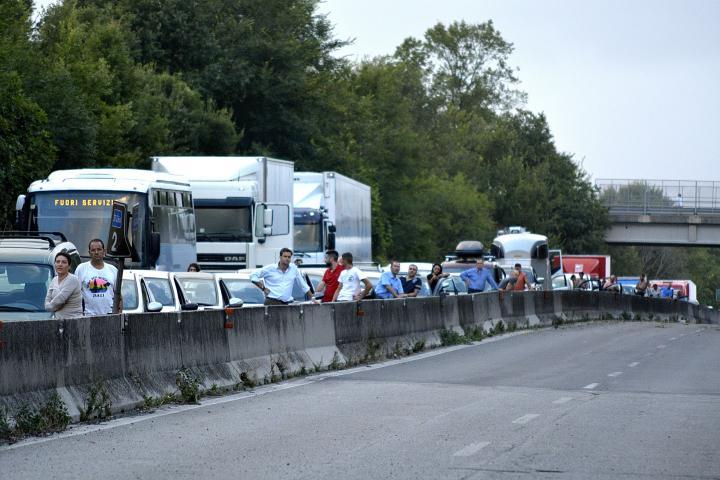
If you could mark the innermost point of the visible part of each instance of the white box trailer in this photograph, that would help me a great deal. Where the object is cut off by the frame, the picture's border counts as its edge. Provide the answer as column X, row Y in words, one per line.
column 243, row 208
column 331, row 211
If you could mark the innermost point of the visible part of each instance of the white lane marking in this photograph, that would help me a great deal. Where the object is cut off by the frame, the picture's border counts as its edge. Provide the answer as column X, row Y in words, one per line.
column 633, row 364
column 471, row 449
column 525, row 418
column 661, row 346
column 591, row 386
column 615, row 374
column 673, row 339
column 648, row 354
column 562, row 400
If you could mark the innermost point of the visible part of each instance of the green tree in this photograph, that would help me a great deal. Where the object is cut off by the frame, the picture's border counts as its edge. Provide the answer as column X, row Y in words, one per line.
column 26, row 151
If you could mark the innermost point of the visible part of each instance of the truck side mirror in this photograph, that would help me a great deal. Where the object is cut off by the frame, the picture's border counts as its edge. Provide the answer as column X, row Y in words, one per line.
column 19, row 206
column 268, row 218
column 331, row 240
column 154, row 247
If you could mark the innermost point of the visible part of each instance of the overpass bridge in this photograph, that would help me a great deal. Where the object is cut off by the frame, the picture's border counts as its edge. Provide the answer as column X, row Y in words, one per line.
column 662, row 212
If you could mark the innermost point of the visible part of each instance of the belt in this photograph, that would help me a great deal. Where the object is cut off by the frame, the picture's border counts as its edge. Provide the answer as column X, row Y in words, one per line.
column 474, row 290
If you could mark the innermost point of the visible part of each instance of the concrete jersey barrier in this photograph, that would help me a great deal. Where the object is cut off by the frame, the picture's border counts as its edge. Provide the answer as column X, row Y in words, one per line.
column 132, row 357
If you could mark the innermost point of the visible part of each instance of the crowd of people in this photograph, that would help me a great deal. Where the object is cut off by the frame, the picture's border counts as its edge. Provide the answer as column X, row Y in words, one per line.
column 342, row 281
column 643, row 287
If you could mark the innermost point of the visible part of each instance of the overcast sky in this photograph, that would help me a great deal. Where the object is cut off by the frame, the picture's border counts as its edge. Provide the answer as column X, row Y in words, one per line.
column 630, row 88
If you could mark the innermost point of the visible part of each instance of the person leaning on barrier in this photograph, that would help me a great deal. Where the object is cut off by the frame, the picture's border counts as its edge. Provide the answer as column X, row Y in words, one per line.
column 390, row 285
column 411, row 285
column 476, row 278
column 521, row 282
column 611, row 285
column 642, row 285
column 277, row 280
column 63, row 296
column 349, row 282
column 329, row 282
column 435, row 275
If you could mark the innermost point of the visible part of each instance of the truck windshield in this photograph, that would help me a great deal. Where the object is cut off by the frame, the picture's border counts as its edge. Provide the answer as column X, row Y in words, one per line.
column 223, row 224
column 307, row 236
column 82, row 216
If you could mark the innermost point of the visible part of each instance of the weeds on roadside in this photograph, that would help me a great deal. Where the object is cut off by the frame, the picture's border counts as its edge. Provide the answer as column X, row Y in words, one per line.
column 451, row 337
column 97, row 403
column 188, row 384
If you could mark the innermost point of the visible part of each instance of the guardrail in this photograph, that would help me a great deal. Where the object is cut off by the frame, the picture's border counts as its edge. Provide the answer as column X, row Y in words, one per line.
column 660, row 196
column 133, row 357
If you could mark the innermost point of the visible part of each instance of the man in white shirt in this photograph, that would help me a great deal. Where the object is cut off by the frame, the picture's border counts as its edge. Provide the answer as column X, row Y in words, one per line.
column 277, row 280
column 97, row 280
column 349, row 282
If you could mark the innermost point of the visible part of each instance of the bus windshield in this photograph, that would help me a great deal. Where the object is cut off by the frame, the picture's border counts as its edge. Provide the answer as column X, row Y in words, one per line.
column 82, row 216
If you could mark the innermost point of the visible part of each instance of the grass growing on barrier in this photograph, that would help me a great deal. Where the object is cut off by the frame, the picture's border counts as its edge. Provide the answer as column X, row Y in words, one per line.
column 475, row 334
column 373, row 348
column 5, row 429
column 52, row 417
column 155, row 402
column 335, row 363
column 418, row 346
column 188, row 384
column 97, row 403
column 451, row 337
column 248, row 381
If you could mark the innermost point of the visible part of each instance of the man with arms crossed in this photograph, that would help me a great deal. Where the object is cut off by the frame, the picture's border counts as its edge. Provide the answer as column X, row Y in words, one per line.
column 390, row 285
column 349, row 282
column 277, row 280
column 97, row 280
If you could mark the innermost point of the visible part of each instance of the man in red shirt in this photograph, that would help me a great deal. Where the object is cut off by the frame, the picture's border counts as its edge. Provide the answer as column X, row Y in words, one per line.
column 329, row 282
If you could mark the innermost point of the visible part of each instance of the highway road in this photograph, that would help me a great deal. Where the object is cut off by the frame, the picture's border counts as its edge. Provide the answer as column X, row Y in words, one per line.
column 594, row 401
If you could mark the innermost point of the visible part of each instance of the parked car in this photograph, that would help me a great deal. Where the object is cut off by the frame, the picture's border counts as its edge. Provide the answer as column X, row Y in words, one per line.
column 201, row 289
column 136, row 298
column 238, row 285
column 27, row 263
column 451, row 285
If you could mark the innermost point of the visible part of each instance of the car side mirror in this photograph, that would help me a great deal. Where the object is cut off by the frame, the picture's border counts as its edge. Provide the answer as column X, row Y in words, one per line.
column 189, row 306
column 154, row 307
column 235, row 302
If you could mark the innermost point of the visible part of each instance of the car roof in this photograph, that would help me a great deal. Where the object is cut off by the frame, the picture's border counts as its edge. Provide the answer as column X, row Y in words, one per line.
column 32, row 249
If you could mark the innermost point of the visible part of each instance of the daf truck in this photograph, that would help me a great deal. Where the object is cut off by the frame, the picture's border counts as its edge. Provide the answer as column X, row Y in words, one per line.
column 243, row 208
column 331, row 212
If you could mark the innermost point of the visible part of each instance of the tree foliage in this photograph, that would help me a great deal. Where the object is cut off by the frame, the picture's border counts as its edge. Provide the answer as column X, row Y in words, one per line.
column 438, row 129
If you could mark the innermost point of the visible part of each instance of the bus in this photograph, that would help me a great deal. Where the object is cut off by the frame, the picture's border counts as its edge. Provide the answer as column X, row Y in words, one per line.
column 78, row 203
column 525, row 248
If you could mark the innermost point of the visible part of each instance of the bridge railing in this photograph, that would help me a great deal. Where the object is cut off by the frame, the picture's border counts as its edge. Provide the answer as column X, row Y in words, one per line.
column 683, row 197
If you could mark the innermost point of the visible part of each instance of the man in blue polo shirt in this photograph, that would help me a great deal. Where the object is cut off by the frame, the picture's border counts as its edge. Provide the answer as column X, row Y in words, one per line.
column 476, row 278
column 277, row 280
column 390, row 285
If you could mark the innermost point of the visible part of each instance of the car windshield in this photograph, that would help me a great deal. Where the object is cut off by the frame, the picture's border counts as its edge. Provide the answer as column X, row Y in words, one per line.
column 199, row 290
column 245, row 290
column 23, row 286
column 160, row 290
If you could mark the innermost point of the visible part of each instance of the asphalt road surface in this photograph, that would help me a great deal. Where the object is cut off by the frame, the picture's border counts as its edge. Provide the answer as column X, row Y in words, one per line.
column 595, row 401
